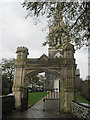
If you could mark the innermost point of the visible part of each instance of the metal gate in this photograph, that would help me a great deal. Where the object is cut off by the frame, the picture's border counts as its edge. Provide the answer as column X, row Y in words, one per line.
column 52, row 99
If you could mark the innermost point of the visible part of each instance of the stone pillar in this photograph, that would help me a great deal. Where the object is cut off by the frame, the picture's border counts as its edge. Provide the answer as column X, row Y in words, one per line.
column 69, row 77
column 19, row 86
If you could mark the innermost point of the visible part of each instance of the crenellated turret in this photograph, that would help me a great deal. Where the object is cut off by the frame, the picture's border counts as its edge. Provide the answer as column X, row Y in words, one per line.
column 22, row 53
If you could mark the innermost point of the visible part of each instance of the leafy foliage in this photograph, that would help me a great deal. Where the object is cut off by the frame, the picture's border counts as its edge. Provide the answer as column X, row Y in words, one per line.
column 85, row 88
column 75, row 15
column 82, row 99
column 34, row 79
column 7, row 68
column 36, row 82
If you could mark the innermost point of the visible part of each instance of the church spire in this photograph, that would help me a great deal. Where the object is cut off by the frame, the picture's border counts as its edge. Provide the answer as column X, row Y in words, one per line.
column 57, row 32
column 58, row 28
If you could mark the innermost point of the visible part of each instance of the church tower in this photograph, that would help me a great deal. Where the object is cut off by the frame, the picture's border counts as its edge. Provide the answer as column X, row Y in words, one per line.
column 59, row 26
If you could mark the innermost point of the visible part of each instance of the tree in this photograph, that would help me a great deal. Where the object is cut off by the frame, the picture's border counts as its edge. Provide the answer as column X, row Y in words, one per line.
column 7, row 68
column 37, row 82
column 34, row 79
column 75, row 15
column 85, row 88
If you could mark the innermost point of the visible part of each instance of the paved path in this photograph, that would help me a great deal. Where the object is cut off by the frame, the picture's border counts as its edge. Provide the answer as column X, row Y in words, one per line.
column 36, row 111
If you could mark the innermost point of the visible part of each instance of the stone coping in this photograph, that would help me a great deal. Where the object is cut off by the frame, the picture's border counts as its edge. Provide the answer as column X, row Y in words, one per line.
column 7, row 95
column 82, row 104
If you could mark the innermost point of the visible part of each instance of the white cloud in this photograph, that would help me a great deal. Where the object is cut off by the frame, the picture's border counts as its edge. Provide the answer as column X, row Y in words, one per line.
column 18, row 31
column 82, row 62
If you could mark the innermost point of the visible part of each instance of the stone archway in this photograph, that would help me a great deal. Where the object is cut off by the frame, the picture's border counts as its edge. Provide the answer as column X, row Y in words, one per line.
column 31, row 74
column 25, row 67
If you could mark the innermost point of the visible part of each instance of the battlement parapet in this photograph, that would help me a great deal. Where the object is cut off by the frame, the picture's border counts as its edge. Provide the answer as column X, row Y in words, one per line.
column 22, row 49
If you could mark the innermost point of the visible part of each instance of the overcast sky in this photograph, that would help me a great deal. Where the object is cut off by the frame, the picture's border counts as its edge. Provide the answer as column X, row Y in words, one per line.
column 17, row 31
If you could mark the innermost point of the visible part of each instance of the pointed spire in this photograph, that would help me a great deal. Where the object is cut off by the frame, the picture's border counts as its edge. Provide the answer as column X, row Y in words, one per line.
column 58, row 20
column 58, row 27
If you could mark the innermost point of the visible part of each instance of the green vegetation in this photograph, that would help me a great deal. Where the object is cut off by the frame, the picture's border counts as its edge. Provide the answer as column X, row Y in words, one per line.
column 81, row 99
column 85, row 88
column 82, row 93
column 76, row 18
column 7, row 68
column 35, row 97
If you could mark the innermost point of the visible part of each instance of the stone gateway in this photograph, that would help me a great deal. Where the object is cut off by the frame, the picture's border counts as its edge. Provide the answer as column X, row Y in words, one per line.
column 63, row 66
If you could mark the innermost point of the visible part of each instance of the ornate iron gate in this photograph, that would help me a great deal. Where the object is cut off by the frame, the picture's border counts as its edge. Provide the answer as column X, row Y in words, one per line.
column 52, row 99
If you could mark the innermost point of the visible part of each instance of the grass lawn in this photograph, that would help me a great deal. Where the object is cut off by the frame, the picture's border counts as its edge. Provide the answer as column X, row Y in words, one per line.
column 35, row 97
column 81, row 99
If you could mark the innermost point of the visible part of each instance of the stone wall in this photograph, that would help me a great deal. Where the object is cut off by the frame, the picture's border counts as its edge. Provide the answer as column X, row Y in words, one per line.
column 8, row 103
column 80, row 110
